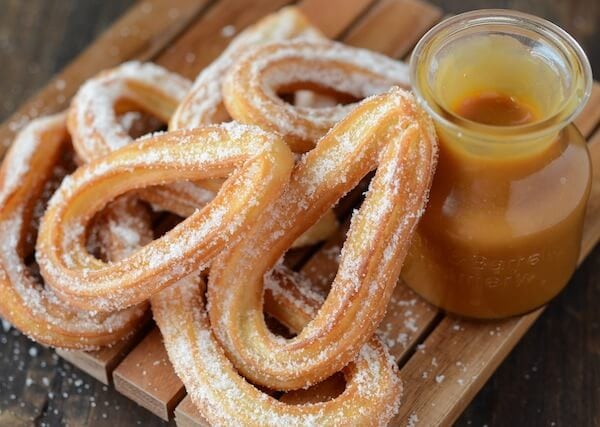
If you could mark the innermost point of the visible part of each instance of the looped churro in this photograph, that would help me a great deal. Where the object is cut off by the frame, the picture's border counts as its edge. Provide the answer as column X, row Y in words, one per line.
column 96, row 129
column 371, row 396
column 259, row 164
column 93, row 116
column 251, row 85
column 204, row 104
column 389, row 132
column 30, row 167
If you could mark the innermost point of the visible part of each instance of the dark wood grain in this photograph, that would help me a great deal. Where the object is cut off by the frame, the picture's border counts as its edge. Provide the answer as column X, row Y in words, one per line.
column 551, row 378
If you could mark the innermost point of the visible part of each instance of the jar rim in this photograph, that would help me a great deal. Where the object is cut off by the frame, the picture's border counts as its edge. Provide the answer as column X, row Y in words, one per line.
column 489, row 17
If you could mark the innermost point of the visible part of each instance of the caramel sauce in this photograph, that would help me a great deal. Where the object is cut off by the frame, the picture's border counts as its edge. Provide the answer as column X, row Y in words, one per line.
column 496, row 109
column 501, row 234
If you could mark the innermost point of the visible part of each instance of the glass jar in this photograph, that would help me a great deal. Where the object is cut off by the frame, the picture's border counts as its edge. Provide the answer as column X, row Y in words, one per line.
column 502, row 231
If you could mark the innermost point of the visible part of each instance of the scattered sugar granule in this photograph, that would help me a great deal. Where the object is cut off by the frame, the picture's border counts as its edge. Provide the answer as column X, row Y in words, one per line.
column 190, row 57
column 147, row 7
column 28, row 382
column 228, row 31
column 439, row 379
column 60, row 84
column 413, row 419
column 33, row 351
column 45, row 381
column 460, row 381
column 78, row 382
column 411, row 324
column 6, row 325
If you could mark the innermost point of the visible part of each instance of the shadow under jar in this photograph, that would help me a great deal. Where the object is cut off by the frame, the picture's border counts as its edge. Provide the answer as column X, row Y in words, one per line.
column 502, row 231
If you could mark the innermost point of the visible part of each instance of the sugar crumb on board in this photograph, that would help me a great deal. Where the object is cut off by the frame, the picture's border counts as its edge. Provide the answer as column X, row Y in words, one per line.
column 228, row 31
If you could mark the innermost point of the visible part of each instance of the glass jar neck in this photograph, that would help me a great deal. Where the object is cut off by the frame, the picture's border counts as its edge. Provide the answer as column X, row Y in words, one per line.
column 505, row 52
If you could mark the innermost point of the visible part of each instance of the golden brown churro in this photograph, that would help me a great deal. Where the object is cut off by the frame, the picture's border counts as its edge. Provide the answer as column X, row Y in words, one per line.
column 389, row 132
column 25, row 179
column 259, row 164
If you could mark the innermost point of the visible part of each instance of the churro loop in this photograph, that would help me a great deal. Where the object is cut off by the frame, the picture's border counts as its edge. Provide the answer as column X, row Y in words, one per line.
column 259, row 164
column 93, row 116
column 29, row 168
column 251, row 85
column 204, row 103
column 389, row 132
column 96, row 129
column 371, row 395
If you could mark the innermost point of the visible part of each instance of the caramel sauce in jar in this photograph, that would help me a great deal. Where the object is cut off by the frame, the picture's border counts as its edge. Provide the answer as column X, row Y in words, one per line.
column 496, row 109
column 502, row 230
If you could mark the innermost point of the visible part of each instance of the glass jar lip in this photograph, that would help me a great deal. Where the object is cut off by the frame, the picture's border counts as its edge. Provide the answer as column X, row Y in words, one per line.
column 543, row 27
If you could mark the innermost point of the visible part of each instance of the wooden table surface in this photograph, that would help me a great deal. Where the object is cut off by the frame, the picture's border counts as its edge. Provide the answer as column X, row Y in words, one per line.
column 552, row 378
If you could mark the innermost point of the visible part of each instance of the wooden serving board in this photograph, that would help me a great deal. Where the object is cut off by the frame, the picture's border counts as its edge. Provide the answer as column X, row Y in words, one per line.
column 444, row 361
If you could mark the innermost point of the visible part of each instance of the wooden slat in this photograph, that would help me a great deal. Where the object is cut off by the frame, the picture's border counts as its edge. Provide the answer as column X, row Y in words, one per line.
column 439, row 384
column 142, row 32
column 203, row 43
column 336, row 17
column 147, row 377
column 394, row 27
column 187, row 415
column 101, row 363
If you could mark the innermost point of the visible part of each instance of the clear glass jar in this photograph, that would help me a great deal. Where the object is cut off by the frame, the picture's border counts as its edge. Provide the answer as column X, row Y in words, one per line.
column 502, row 231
